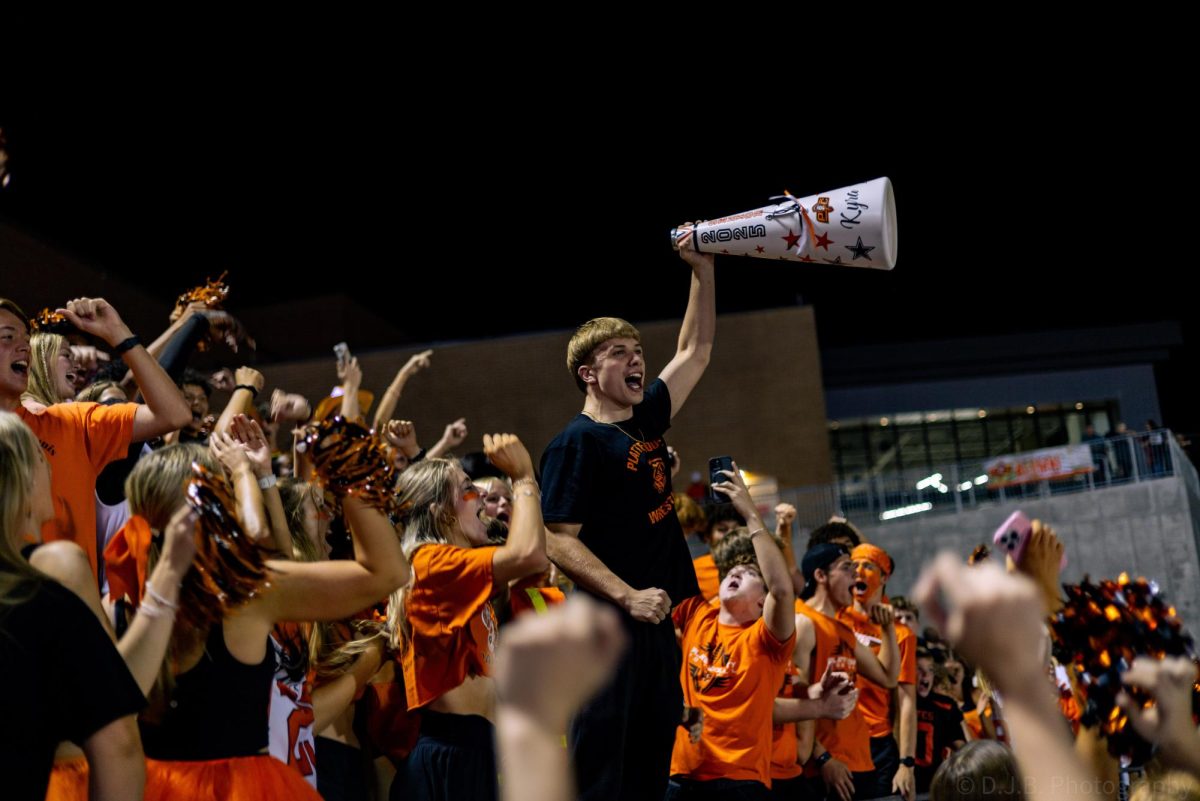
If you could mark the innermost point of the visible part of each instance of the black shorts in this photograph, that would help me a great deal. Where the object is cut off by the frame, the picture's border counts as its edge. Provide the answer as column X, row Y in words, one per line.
column 454, row 759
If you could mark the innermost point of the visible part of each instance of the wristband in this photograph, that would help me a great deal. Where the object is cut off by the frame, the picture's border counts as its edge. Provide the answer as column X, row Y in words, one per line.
column 251, row 389
column 527, row 482
column 266, row 482
column 126, row 345
column 822, row 759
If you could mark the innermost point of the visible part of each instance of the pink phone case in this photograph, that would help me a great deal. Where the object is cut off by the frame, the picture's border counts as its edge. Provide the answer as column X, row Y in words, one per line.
column 1013, row 535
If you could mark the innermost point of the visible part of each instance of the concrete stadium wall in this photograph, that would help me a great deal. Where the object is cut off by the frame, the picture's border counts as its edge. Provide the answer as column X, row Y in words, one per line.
column 1149, row 529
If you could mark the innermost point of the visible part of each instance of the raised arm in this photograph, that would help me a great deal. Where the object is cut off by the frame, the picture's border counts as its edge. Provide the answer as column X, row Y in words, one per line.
column 387, row 404
column 248, row 382
column 547, row 666
column 692, row 354
column 524, row 552
column 1168, row 722
column 401, row 435
column 337, row 589
column 165, row 408
column 251, row 511
column 785, row 515
column 453, row 436
column 994, row 620
column 350, row 375
column 248, row 435
column 883, row 669
column 174, row 346
column 779, row 611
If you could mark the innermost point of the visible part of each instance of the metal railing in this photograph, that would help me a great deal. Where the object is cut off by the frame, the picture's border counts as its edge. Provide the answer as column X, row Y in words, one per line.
column 1116, row 461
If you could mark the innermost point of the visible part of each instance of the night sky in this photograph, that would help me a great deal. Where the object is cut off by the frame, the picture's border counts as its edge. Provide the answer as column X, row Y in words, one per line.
column 513, row 213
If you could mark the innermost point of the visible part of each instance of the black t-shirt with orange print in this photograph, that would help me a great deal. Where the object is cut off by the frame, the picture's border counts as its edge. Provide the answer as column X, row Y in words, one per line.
column 614, row 479
column 939, row 725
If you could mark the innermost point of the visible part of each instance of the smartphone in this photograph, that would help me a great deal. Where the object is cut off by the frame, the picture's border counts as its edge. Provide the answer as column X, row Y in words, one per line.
column 715, row 466
column 342, row 351
column 1013, row 535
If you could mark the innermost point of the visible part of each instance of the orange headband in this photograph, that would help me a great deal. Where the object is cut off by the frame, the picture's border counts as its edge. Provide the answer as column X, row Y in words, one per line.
column 873, row 553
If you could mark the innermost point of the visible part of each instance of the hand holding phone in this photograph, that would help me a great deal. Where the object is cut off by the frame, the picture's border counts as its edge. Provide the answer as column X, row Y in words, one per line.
column 342, row 351
column 715, row 476
column 1013, row 535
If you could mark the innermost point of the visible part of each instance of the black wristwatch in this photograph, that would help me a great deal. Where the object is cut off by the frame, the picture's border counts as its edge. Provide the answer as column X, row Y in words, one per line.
column 822, row 759
column 908, row 762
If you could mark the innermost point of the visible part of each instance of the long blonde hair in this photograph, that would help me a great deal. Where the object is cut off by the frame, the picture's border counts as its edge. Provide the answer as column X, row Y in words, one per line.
column 426, row 493
column 293, row 492
column 155, row 486
column 44, row 351
column 155, row 489
column 18, row 459
column 326, row 650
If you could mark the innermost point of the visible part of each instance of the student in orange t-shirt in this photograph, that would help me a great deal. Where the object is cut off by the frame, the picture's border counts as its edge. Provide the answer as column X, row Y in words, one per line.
column 893, row 764
column 796, row 701
column 734, row 657
column 79, row 439
column 841, row 751
column 444, row 619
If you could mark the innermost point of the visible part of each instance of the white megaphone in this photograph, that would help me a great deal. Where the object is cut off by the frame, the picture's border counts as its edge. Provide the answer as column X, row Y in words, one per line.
column 854, row 226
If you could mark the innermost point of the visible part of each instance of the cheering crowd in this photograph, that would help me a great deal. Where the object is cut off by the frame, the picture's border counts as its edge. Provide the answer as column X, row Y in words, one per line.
column 195, row 606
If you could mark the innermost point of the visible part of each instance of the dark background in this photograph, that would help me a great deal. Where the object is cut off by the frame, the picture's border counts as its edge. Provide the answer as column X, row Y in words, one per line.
column 1020, row 209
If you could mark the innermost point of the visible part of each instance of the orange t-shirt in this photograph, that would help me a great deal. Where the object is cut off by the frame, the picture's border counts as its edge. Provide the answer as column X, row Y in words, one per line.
column 79, row 440
column 531, row 594
column 732, row 674
column 452, row 626
column 974, row 723
column 707, row 576
column 784, row 742
column 848, row 740
column 874, row 701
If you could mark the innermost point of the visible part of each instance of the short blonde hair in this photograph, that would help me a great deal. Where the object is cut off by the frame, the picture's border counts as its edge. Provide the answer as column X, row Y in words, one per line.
column 592, row 335
column 14, row 310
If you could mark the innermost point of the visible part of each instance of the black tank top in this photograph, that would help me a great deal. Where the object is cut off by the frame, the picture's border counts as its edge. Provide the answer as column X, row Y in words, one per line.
column 218, row 709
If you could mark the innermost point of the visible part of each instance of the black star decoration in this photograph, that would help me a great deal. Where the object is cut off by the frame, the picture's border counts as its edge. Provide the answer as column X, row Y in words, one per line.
column 860, row 250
